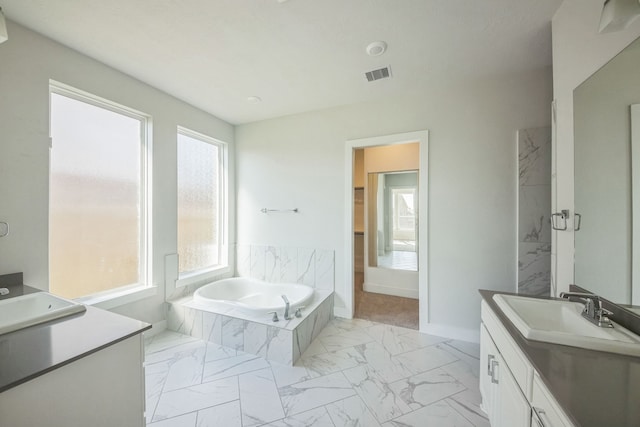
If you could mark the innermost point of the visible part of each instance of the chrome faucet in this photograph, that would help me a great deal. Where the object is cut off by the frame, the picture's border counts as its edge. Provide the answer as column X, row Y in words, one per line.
column 286, row 308
column 593, row 310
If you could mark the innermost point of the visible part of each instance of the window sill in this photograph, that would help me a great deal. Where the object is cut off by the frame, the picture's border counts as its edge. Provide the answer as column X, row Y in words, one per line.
column 201, row 276
column 117, row 298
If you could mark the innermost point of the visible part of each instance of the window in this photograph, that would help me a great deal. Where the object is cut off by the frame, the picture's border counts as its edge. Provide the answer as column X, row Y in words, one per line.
column 98, row 195
column 201, row 204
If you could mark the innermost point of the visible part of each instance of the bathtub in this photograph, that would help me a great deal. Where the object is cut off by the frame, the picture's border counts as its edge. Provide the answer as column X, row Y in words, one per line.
column 252, row 296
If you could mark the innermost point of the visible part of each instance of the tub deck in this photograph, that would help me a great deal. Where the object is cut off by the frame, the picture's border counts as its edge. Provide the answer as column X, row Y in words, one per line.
column 282, row 342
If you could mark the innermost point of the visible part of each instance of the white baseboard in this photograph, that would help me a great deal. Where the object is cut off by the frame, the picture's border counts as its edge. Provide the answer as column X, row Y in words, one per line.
column 388, row 290
column 453, row 332
column 157, row 328
column 342, row 312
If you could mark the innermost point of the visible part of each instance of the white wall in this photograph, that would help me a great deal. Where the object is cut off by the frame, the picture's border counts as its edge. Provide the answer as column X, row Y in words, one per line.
column 298, row 161
column 578, row 51
column 27, row 62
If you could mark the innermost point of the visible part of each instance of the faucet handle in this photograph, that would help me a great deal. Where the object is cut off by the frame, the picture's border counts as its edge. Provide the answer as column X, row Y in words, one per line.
column 299, row 311
column 605, row 312
column 275, row 316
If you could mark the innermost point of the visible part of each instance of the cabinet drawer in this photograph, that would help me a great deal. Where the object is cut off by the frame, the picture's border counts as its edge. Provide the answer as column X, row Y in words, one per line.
column 546, row 407
column 518, row 364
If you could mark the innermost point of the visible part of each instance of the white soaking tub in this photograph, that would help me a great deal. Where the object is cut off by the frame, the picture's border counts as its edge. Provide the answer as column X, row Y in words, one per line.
column 253, row 296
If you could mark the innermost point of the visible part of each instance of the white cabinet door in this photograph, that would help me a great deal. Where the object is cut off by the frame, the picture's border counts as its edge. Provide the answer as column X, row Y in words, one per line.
column 488, row 353
column 547, row 412
column 502, row 398
column 511, row 407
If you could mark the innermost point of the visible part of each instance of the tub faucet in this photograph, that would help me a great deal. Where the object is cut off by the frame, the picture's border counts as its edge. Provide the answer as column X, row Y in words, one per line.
column 286, row 308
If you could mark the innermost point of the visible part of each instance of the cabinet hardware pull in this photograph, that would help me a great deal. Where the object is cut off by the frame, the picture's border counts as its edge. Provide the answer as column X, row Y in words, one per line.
column 494, row 365
column 539, row 415
column 490, row 359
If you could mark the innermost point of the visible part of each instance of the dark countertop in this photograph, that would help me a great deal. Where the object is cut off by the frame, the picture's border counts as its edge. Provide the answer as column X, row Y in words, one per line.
column 28, row 353
column 595, row 388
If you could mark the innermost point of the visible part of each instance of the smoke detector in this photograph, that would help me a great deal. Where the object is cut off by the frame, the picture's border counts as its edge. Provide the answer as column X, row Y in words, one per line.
column 379, row 74
column 376, row 48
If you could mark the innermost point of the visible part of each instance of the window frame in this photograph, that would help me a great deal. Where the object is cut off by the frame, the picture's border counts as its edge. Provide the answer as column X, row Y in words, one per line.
column 211, row 272
column 133, row 291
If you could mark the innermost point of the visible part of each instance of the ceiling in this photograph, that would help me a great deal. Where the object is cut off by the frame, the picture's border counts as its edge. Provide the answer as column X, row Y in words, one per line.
column 296, row 55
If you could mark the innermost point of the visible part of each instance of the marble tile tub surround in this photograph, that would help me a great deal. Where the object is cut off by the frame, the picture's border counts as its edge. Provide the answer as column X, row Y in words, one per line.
column 356, row 373
column 282, row 342
column 534, row 209
column 312, row 267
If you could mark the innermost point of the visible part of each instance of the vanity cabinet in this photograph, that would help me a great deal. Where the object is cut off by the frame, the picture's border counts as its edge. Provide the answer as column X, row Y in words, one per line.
column 509, row 386
column 103, row 389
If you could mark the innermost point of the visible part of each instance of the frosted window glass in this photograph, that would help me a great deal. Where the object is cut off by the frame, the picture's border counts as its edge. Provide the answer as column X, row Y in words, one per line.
column 199, row 206
column 95, row 202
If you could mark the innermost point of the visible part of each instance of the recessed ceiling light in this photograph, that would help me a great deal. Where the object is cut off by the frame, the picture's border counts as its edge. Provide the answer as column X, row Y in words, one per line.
column 376, row 48
column 254, row 100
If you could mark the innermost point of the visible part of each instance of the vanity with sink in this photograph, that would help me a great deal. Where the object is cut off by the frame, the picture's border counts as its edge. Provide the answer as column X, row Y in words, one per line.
column 64, row 364
column 544, row 365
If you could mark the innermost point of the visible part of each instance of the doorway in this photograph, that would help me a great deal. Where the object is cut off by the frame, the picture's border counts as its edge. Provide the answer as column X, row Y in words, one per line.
column 386, row 203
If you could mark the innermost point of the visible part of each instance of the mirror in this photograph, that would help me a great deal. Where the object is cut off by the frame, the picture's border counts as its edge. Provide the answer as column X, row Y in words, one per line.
column 392, row 220
column 607, row 165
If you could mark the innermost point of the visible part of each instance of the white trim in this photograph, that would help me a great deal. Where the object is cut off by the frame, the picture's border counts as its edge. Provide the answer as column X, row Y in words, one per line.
column 224, row 248
column 635, row 204
column 422, row 137
column 389, row 290
column 116, row 298
column 342, row 312
column 452, row 332
column 123, row 295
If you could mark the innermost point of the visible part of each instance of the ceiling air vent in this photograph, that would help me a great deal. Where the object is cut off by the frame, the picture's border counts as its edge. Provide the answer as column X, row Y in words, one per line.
column 382, row 73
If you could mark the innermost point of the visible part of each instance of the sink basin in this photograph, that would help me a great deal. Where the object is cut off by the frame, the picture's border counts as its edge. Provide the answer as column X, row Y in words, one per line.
column 32, row 309
column 561, row 322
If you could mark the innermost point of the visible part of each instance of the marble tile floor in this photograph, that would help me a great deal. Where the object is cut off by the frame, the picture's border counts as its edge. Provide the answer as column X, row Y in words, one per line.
column 356, row 373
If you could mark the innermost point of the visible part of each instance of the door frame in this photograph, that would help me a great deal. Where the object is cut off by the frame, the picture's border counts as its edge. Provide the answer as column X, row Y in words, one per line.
column 422, row 138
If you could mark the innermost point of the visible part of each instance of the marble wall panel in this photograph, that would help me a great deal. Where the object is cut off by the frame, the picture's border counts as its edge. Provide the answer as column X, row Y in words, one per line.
column 311, row 267
column 534, row 156
column 534, row 268
column 534, row 211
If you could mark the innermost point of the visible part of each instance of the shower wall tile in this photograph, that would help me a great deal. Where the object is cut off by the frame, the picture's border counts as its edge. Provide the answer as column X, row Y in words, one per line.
column 534, row 214
column 534, row 268
column 534, row 155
